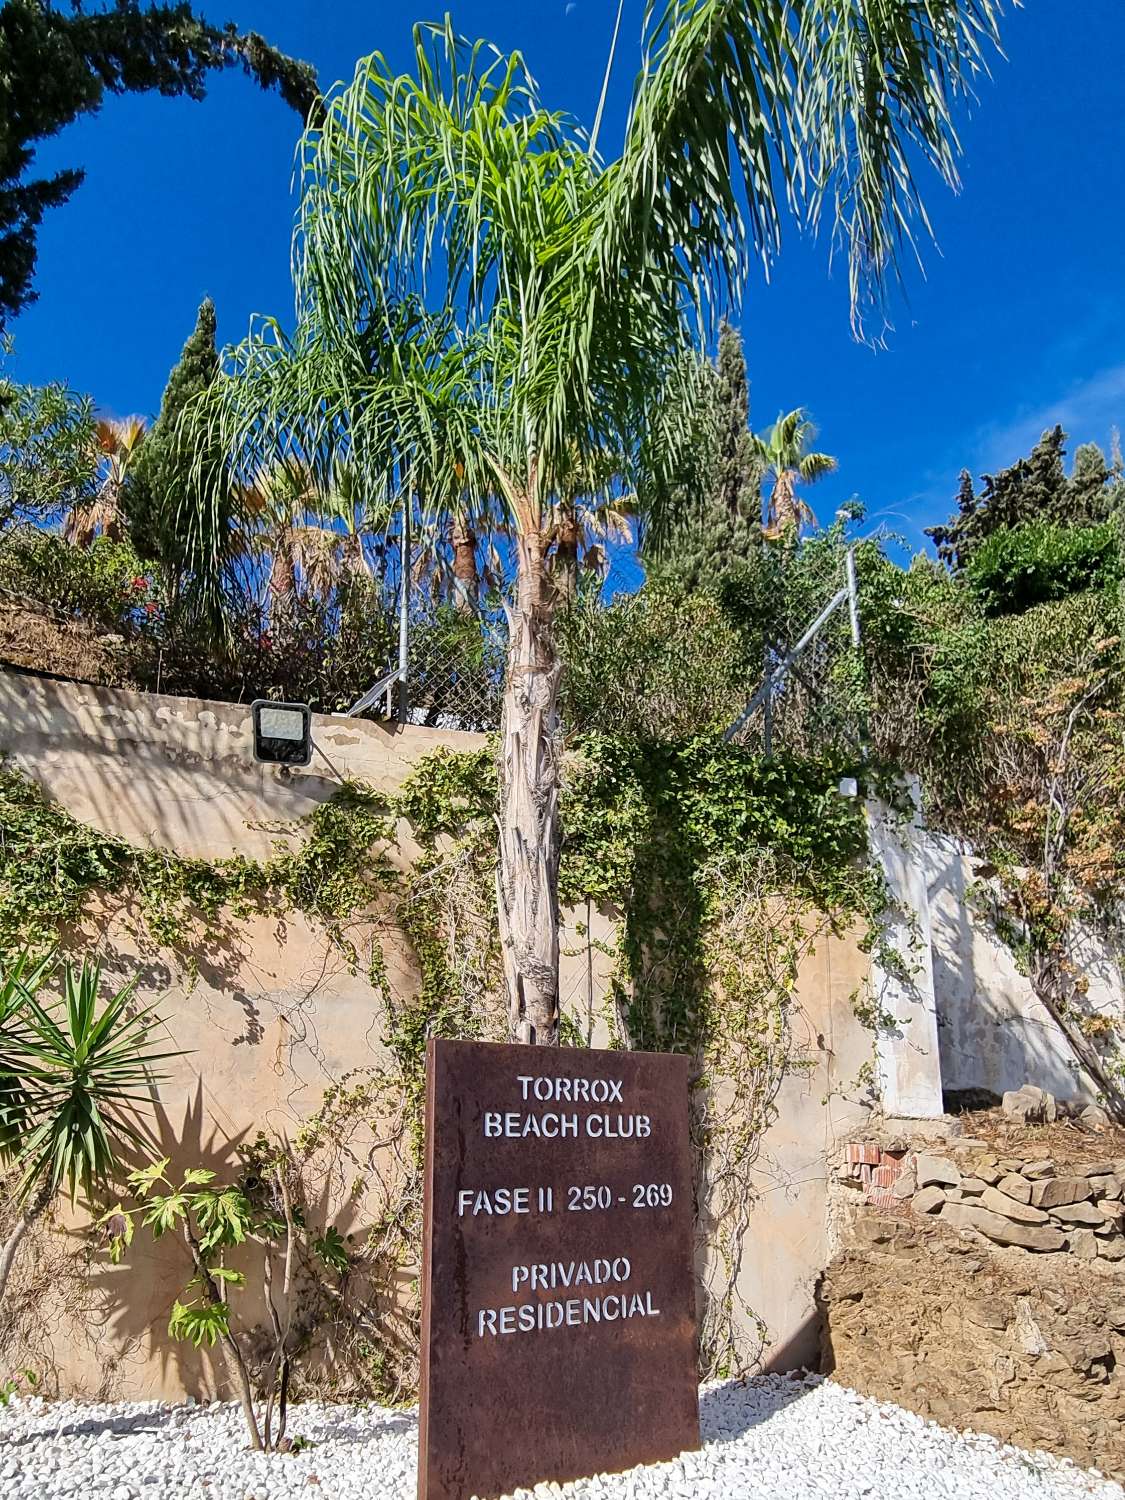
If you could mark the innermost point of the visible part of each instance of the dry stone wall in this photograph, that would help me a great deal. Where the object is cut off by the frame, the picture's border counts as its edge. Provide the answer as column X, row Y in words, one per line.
column 983, row 1288
column 1008, row 1200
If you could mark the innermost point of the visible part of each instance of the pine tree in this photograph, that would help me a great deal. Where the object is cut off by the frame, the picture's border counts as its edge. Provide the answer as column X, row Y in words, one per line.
column 723, row 525
column 158, row 490
column 1035, row 488
column 55, row 67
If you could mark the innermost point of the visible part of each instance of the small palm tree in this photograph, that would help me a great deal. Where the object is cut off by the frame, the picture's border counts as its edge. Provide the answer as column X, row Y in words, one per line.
column 316, row 536
column 73, row 1074
column 117, row 442
column 784, row 451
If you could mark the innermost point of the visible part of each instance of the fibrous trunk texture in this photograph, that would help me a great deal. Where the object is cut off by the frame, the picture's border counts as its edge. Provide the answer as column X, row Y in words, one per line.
column 566, row 556
column 466, row 581
column 527, row 878
column 26, row 1219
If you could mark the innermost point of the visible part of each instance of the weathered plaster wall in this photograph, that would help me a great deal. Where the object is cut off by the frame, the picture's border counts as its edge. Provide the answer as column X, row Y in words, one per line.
column 275, row 1017
column 993, row 1033
column 908, row 1060
column 817, row 1106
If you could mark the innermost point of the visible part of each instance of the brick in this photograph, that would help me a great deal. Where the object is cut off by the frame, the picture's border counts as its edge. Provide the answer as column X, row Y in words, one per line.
column 884, row 1176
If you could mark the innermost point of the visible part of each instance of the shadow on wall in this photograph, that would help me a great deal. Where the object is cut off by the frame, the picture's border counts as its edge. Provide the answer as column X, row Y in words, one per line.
column 993, row 1033
column 179, row 772
column 91, row 1327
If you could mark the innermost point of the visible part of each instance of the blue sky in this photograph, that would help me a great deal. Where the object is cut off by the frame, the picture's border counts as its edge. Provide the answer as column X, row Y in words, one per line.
column 1018, row 323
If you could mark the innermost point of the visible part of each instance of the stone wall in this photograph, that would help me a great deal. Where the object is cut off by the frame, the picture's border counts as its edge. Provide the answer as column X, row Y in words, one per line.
column 275, row 1016
column 984, row 1290
column 1075, row 1210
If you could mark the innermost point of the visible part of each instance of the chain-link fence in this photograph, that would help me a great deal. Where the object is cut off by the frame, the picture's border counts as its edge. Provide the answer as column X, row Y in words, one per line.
column 452, row 649
column 772, row 657
column 809, row 697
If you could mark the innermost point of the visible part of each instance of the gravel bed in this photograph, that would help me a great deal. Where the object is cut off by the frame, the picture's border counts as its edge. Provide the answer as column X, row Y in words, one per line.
column 798, row 1439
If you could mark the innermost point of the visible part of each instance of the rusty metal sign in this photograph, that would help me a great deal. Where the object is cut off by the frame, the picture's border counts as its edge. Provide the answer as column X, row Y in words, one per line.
column 558, row 1298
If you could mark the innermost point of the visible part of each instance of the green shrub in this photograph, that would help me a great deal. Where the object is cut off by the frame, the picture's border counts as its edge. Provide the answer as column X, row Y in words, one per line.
column 663, row 663
column 1013, row 570
column 105, row 583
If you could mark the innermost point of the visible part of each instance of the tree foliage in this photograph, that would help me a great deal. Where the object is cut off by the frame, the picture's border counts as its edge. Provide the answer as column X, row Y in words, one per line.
column 58, row 66
column 1034, row 489
column 48, row 463
column 717, row 523
column 158, row 492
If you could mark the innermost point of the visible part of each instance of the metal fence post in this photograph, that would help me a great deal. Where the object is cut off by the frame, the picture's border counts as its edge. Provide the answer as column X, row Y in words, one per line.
column 853, row 596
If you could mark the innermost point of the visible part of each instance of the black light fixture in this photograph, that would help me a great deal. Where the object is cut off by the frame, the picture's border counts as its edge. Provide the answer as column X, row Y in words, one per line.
column 282, row 733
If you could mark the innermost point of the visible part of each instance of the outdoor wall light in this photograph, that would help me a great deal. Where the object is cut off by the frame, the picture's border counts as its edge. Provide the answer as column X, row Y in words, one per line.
column 282, row 733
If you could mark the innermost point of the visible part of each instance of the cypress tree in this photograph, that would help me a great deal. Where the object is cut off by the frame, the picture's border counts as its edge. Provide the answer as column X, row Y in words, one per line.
column 723, row 524
column 1035, row 488
column 157, row 490
column 56, row 67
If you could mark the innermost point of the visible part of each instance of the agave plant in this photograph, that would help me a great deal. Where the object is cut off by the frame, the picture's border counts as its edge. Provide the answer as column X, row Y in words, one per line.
column 76, row 1073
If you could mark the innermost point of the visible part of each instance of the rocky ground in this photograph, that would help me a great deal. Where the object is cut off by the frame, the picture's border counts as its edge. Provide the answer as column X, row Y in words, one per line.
column 774, row 1435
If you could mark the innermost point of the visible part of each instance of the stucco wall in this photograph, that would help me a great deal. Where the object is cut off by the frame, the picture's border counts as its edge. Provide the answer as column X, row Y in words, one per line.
column 993, row 1032
column 275, row 1017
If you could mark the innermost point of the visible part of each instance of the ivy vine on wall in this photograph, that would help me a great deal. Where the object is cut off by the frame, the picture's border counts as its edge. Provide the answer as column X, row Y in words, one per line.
column 721, row 871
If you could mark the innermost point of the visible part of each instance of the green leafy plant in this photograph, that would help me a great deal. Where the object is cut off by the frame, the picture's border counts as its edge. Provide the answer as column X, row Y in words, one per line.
column 1015, row 569
column 259, row 1212
column 74, row 1082
column 14, row 1384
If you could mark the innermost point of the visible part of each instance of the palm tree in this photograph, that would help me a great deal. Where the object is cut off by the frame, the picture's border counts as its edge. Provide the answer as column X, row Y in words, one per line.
column 282, row 501
column 117, row 441
column 563, row 291
column 783, row 452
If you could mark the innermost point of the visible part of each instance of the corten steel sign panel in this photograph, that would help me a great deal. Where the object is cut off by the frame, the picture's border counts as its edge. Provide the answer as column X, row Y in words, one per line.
column 558, row 1311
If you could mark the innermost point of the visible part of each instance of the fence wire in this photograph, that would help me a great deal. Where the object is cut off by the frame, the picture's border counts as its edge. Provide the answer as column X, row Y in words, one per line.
column 809, row 697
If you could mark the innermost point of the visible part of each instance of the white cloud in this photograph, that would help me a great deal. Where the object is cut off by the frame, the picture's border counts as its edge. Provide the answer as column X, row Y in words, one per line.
column 1087, row 411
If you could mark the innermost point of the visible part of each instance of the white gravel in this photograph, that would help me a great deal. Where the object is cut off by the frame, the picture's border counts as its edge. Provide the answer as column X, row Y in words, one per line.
column 772, row 1439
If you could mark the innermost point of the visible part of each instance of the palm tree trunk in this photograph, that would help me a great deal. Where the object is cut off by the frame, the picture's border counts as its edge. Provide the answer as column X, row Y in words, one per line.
column 566, row 555
column 26, row 1219
column 466, row 580
column 527, row 877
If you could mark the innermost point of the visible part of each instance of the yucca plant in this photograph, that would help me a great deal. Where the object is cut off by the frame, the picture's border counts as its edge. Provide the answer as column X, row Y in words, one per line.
column 21, row 978
column 74, row 1076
